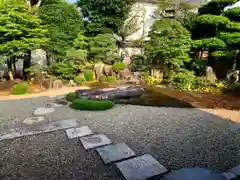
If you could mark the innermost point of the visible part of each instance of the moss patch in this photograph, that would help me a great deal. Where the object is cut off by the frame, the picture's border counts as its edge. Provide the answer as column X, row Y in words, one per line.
column 93, row 105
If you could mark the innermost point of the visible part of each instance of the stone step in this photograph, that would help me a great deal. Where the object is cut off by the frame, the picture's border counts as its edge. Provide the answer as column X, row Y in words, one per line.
column 94, row 141
column 78, row 132
column 116, row 152
column 141, row 168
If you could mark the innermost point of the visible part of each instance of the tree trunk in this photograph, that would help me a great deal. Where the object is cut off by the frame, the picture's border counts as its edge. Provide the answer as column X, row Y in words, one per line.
column 26, row 64
column 210, row 58
column 10, row 73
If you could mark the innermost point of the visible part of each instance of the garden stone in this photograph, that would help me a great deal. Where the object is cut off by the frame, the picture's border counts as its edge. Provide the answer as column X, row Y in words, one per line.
column 78, row 132
column 31, row 120
column 114, row 153
column 230, row 176
column 61, row 101
column 57, row 84
column 141, row 168
column 43, row 111
column 236, row 170
column 94, row 141
column 193, row 174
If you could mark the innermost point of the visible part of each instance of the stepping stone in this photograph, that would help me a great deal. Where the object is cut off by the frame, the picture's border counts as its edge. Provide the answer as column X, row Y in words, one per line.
column 230, row 176
column 116, row 152
column 43, row 111
column 236, row 170
column 141, row 168
column 94, row 141
column 78, row 132
column 53, row 105
column 31, row 120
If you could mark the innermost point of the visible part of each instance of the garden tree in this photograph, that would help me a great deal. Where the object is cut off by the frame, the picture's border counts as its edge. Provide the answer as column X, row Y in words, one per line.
column 169, row 44
column 104, row 16
column 210, row 44
column 215, row 7
column 64, row 23
column 103, row 48
column 20, row 32
column 209, row 26
column 233, row 14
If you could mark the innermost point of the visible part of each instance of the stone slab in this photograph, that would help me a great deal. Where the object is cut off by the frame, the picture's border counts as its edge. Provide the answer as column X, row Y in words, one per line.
column 114, row 153
column 78, row 132
column 95, row 141
column 230, row 176
column 43, row 111
column 43, row 128
column 141, row 168
column 236, row 170
column 34, row 119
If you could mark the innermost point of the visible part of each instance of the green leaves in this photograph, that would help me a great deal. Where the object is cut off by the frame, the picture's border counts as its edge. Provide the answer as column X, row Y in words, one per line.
column 21, row 32
column 233, row 14
column 170, row 43
column 208, row 43
column 105, row 16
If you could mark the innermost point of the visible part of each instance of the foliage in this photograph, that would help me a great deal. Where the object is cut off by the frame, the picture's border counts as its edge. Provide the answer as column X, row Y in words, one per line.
column 169, row 44
column 64, row 23
column 233, row 14
column 118, row 66
column 231, row 39
column 150, row 80
column 70, row 97
column 20, row 89
column 20, row 31
column 110, row 79
column 89, row 75
column 79, row 80
column 102, row 48
column 84, row 104
column 215, row 7
column 64, row 70
column 102, row 78
column 212, row 23
column 104, row 16
column 208, row 43
column 198, row 65
column 139, row 62
column 187, row 80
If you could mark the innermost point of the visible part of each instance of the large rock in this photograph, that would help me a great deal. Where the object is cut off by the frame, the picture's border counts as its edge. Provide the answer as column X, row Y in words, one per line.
column 98, row 69
column 108, row 70
column 39, row 57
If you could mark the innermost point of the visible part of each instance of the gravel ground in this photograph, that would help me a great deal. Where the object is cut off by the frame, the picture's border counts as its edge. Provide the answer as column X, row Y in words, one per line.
column 176, row 137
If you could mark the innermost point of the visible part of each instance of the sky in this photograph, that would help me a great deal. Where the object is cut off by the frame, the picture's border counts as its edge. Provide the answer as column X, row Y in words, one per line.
column 72, row 1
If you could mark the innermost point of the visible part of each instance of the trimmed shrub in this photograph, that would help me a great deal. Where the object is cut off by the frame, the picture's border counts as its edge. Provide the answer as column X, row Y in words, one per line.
column 84, row 104
column 19, row 89
column 111, row 79
column 70, row 97
column 119, row 66
column 88, row 74
column 79, row 80
column 102, row 78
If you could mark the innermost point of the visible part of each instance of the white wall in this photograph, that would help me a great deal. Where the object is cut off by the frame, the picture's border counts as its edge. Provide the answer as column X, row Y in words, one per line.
column 148, row 10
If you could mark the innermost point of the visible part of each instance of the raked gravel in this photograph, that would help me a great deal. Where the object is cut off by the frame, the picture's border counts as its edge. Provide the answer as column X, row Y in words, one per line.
column 176, row 137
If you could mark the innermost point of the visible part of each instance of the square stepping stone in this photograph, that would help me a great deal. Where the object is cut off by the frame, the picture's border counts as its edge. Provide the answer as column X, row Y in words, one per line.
column 141, row 168
column 236, row 170
column 78, row 132
column 116, row 152
column 94, row 141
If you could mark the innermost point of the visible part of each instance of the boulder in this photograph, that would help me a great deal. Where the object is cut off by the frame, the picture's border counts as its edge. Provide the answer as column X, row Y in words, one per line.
column 57, row 84
column 98, row 69
column 108, row 70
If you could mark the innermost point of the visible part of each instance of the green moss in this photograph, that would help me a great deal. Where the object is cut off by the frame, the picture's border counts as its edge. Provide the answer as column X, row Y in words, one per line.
column 89, row 75
column 111, row 79
column 71, row 96
column 117, row 67
column 84, row 104
column 19, row 89
column 79, row 80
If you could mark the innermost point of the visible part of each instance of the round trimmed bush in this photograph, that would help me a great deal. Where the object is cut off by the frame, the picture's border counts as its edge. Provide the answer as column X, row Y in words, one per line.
column 102, row 78
column 119, row 66
column 19, row 89
column 79, row 80
column 84, row 104
column 111, row 79
column 71, row 96
column 88, row 74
